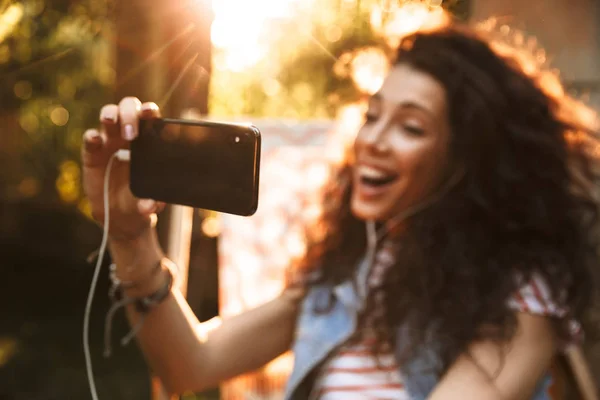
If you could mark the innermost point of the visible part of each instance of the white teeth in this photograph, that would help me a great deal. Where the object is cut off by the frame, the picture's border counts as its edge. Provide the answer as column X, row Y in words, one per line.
column 372, row 173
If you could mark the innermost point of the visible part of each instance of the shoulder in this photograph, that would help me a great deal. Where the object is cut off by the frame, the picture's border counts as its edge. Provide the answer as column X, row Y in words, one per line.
column 534, row 297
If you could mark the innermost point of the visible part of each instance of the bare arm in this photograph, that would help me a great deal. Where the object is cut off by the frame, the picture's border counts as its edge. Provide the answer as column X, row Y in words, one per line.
column 174, row 347
column 169, row 336
column 487, row 376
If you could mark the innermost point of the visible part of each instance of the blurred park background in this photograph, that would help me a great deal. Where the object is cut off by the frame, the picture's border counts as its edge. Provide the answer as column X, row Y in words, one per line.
column 299, row 69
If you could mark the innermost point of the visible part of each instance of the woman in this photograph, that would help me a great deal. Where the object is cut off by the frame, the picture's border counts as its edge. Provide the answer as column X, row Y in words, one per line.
column 454, row 258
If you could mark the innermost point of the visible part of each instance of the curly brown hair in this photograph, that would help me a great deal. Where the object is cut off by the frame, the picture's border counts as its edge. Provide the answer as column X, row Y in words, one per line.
column 525, row 203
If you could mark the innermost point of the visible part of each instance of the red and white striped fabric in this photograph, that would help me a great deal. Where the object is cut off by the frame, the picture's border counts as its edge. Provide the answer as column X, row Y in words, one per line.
column 354, row 373
column 534, row 297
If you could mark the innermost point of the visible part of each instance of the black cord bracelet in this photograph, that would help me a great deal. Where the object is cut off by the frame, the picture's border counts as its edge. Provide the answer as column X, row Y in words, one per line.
column 144, row 304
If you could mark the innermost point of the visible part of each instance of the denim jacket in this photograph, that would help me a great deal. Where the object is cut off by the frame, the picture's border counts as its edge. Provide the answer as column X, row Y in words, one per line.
column 318, row 334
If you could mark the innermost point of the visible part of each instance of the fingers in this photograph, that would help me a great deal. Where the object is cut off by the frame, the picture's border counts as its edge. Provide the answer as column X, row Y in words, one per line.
column 119, row 125
column 121, row 121
column 148, row 206
column 92, row 146
column 109, row 118
column 149, row 110
column 129, row 112
column 92, row 141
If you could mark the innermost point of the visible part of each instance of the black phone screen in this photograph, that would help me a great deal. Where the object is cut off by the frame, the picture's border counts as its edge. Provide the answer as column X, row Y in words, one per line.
column 205, row 165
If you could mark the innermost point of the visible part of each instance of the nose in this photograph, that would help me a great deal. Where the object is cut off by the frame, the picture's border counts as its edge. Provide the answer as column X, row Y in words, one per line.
column 374, row 137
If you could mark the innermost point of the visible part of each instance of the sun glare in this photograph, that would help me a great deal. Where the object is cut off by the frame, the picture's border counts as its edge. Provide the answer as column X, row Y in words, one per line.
column 238, row 30
column 255, row 253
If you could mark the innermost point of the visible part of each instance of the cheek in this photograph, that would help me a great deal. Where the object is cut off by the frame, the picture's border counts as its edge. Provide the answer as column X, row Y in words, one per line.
column 358, row 143
column 412, row 158
column 420, row 166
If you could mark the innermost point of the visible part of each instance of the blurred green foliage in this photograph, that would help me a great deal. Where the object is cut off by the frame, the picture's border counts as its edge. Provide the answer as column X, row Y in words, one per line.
column 57, row 69
column 294, row 78
column 55, row 73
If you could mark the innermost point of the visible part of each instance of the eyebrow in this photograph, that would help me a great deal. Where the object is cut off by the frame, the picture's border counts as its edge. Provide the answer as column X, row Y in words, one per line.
column 404, row 104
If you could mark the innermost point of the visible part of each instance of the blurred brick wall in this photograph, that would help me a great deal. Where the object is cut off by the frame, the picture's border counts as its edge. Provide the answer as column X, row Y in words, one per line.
column 569, row 31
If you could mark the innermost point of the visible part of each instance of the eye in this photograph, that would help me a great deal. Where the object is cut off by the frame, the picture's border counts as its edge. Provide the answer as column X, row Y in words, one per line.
column 370, row 117
column 414, row 130
column 411, row 125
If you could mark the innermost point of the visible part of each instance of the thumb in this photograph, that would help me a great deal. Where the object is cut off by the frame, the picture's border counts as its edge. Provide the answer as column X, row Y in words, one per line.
column 146, row 206
column 149, row 206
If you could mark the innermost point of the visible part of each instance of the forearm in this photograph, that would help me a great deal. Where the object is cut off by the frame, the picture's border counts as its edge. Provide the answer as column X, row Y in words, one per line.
column 251, row 339
column 170, row 344
column 185, row 360
column 168, row 334
column 176, row 349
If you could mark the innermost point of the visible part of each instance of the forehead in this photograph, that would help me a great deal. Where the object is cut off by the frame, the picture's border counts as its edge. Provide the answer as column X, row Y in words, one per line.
column 405, row 85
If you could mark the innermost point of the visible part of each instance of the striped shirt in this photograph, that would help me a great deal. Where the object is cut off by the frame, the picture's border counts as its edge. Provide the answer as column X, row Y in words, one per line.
column 534, row 297
column 353, row 372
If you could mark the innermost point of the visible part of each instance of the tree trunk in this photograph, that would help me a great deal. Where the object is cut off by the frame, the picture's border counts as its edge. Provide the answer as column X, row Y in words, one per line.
column 163, row 55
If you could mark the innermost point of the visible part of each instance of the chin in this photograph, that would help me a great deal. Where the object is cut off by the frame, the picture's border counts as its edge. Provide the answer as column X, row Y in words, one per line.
column 366, row 211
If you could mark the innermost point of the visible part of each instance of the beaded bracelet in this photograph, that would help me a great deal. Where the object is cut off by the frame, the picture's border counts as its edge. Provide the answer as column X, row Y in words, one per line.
column 117, row 283
column 142, row 304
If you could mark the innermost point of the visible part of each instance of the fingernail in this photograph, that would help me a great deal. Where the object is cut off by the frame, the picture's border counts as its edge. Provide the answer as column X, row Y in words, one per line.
column 149, row 107
column 146, row 204
column 108, row 117
column 91, row 135
column 92, row 145
column 129, row 133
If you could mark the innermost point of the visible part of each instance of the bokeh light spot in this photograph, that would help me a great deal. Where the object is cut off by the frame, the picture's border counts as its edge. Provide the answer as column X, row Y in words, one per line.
column 59, row 116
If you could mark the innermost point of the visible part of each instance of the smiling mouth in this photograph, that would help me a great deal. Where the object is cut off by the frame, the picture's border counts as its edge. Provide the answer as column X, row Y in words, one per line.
column 375, row 178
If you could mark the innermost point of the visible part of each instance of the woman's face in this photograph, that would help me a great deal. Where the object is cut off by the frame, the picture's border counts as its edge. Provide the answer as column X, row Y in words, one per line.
column 402, row 148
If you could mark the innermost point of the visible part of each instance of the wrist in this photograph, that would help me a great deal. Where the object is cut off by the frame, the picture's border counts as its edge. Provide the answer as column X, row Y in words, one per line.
column 135, row 258
column 153, row 283
column 143, row 239
column 142, row 296
column 132, row 231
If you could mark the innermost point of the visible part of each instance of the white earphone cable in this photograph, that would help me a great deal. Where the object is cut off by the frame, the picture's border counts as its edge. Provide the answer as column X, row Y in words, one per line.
column 122, row 155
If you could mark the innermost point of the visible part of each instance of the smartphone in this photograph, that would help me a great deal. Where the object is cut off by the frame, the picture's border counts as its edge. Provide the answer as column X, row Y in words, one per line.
column 208, row 165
